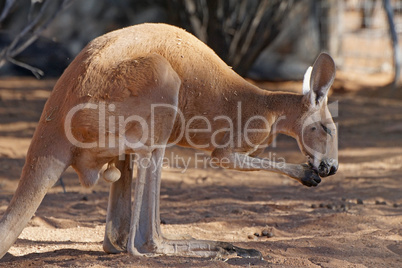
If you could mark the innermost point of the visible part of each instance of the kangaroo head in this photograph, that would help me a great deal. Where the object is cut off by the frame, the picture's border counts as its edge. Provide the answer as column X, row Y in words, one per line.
column 317, row 134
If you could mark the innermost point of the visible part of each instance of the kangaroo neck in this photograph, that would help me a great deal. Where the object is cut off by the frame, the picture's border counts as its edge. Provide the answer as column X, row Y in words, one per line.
column 287, row 109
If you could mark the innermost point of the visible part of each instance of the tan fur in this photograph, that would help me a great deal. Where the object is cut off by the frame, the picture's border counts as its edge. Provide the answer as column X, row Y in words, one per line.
column 132, row 69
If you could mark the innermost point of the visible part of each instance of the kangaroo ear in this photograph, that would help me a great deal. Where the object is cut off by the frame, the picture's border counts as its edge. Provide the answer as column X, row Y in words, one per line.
column 306, row 81
column 321, row 79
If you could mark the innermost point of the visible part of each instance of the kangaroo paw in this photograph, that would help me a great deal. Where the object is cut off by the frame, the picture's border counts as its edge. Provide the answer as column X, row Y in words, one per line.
column 311, row 177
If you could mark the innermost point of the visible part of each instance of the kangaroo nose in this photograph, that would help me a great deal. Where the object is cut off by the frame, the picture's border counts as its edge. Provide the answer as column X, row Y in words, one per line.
column 327, row 167
column 334, row 166
column 334, row 169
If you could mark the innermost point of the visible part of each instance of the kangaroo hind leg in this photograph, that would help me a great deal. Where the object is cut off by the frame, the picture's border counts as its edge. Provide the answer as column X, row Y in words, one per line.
column 119, row 209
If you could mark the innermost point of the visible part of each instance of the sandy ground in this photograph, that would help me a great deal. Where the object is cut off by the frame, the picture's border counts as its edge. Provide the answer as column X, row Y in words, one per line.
column 352, row 219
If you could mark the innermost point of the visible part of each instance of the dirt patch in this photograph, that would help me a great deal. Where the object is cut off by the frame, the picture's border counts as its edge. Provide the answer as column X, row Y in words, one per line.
column 352, row 219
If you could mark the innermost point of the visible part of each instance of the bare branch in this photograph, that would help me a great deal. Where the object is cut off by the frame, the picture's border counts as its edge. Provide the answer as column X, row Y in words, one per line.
column 37, row 72
column 195, row 21
column 28, row 28
column 237, row 30
column 239, row 33
column 255, row 23
column 36, row 25
column 7, row 6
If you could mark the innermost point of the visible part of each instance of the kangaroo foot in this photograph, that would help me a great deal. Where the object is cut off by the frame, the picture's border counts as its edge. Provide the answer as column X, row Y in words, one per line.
column 200, row 248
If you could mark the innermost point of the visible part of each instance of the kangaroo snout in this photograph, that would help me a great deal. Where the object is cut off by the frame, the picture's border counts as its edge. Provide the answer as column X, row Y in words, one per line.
column 327, row 167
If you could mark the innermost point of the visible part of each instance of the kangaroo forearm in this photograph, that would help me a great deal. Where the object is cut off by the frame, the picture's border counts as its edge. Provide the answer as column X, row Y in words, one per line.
column 244, row 162
column 300, row 172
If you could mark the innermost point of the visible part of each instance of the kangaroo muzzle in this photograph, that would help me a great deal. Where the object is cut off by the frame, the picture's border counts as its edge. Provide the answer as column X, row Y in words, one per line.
column 327, row 167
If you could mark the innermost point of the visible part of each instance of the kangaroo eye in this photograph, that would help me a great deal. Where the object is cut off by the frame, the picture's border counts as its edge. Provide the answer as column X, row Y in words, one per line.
column 313, row 128
column 326, row 129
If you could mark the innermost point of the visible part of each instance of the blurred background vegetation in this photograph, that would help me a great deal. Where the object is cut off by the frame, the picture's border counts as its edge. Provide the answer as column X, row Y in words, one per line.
column 261, row 39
